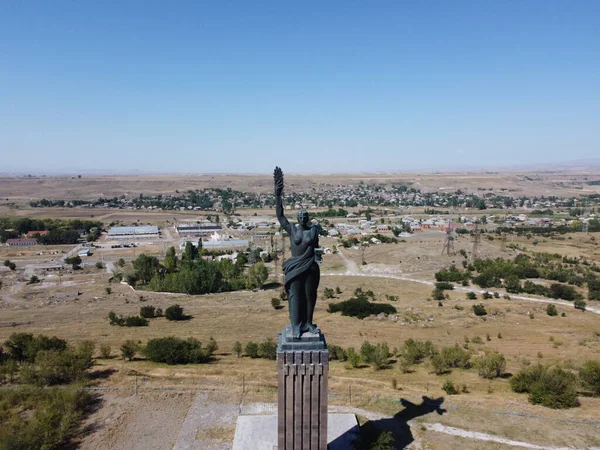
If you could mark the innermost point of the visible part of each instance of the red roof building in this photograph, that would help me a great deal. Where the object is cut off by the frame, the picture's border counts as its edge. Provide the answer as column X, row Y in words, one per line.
column 41, row 233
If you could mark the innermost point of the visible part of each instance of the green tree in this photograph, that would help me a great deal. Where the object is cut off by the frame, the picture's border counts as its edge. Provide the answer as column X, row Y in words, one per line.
column 145, row 267
column 170, row 260
column 257, row 275
column 237, row 348
column 190, row 252
column 551, row 310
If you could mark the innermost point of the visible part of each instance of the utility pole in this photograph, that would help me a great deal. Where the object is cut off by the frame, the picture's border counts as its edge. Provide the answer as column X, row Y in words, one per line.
column 476, row 242
column 449, row 240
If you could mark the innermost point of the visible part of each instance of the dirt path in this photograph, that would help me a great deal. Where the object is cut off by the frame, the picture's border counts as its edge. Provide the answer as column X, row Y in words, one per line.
column 488, row 437
column 353, row 270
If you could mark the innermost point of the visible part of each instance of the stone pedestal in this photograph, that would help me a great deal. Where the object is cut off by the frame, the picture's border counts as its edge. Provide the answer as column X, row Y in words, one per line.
column 302, row 367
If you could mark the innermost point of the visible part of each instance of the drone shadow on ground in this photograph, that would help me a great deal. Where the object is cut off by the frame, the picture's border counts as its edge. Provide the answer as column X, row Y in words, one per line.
column 398, row 424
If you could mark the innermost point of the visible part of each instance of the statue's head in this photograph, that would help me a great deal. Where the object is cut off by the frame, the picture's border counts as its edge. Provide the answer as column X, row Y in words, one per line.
column 303, row 218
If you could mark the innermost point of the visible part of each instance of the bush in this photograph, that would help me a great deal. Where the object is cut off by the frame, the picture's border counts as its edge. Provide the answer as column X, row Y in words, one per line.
column 444, row 285
column 59, row 366
column 175, row 312
column 580, row 304
column 33, row 280
column 554, row 388
column 328, row 293
column 479, row 310
column 172, row 350
column 105, row 351
column 129, row 349
column 486, row 295
column 437, row 295
column 276, row 303
column 136, row 321
column 338, row 291
column 415, row 351
column 471, row 296
column 148, row 312
column 237, row 348
column 53, row 417
column 108, row 290
column 551, row 310
column 589, row 374
column 24, row 347
column 376, row 355
column 449, row 388
column 268, row 349
column 252, row 349
column 99, row 265
column 354, row 358
column 491, row 365
column 337, row 353
column 360, row 307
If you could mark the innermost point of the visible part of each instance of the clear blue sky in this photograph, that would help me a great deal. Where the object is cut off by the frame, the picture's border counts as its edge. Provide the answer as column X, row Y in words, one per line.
column 323, row 86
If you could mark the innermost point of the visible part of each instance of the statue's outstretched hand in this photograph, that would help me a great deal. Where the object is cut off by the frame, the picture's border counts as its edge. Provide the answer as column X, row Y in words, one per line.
column 278, row 178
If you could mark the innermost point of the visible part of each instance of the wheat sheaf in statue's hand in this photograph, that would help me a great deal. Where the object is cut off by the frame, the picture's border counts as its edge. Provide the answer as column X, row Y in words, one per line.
column 278, row 178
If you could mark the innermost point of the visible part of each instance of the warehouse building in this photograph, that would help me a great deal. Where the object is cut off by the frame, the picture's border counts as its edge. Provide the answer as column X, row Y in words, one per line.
column 149, row 231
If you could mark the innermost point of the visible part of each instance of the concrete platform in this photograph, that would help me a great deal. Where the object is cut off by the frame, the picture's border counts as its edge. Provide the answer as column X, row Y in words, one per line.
column 260, row 432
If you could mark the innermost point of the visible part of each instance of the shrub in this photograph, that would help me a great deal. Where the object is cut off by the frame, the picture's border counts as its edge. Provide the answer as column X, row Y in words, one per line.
column 589, row 375
column 129, row 349
column 554, row 388
column 471, row 296
column 491, row 365
column 172, row 350
column 477, row 340
column 53, row 417
column 437, row 295
column 415, row 351
column 237, row 348
column 449, row 388
column 337, row 353
column 33, row 280
column 136, row 321
column 276, row 303
column 59, row 366
column 251, row 349
column 479, row 310
column 376, row 355
column 486, row 295
column 105, row 351
column 175, row 312
column 328, row 293
column 99, row 265
column 580, row 304
column 551, row 310
column 24, row 347
column 268, row 349
column 212, row 346
column 148, row 312
column 360, row 307
column 444, row 285
column 496, row 295
column 353, row 358
column 108, row 290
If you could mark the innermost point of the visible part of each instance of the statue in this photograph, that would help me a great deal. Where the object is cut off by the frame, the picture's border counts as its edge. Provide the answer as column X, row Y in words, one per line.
column 302, row 273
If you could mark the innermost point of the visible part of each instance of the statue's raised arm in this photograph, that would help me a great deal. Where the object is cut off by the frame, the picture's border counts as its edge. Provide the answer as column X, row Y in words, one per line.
column 278, row 181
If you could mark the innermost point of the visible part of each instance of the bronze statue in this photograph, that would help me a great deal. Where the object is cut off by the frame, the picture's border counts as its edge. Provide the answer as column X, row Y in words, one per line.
column 302, row 273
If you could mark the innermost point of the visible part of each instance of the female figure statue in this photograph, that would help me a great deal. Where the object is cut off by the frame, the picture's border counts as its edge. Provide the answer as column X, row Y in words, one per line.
column 302, row 273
